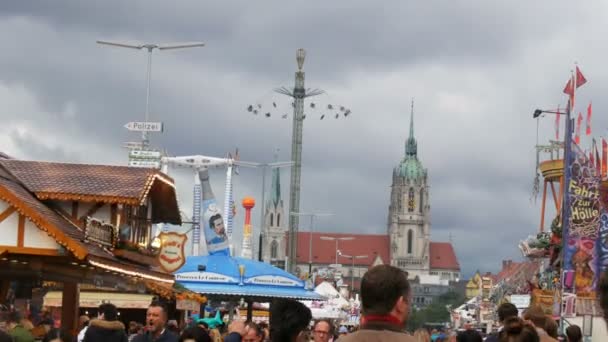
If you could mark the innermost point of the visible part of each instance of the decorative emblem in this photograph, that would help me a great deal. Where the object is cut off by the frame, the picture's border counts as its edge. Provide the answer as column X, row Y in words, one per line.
column 171, row 256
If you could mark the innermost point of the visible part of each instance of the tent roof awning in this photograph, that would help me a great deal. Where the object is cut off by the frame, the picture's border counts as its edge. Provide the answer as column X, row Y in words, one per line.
column 94, row 299
column 257, row 292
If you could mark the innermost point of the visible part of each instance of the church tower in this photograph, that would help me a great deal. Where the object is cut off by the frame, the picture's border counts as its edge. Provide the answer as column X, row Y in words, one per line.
column 409, row 212
column 274, row 229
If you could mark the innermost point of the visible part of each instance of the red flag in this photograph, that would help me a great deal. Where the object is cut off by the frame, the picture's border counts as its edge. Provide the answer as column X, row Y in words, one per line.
column 580, row 79
column 577, row 133
column 569, row 89
column 604, row 157
column 557, row 116
column 588, row 131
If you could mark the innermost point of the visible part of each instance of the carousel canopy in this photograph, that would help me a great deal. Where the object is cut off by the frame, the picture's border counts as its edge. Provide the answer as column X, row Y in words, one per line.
column 223, row 276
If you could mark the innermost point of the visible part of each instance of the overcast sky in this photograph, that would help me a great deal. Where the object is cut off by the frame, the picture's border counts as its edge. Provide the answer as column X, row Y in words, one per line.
column 477, row 70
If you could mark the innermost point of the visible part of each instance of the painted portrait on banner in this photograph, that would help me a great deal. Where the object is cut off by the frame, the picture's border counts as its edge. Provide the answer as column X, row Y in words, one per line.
column 212, row 220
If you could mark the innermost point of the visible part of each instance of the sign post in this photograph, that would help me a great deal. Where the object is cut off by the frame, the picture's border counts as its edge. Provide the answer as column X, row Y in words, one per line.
column 140, row 126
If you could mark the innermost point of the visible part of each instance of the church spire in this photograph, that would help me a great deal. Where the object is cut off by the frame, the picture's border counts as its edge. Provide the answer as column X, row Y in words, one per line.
column 275, row 190
column 411, row 147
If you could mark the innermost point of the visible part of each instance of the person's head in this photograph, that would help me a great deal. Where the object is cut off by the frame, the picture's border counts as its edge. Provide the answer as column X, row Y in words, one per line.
column 156, row 317
column 47, row 324
column 422, row 335
column 343, row 331
column 536, row 315
column 108, row 312
column 217, row 224
column 506, row 310
column 194, row 334
column 289, row 319
column 83, row 321
column 551, row 327
column 385, row 291
column 603, row 291
column 13, row 319
column 322, row 330
column 515, row 330
column 574, row 333
column 57, row 335
column 133, row 327
column 254, row 333
column 469, row 336
column 264, row 327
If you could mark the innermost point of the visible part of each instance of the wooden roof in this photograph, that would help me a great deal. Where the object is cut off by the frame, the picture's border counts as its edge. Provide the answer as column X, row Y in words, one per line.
column 68, row 235
column 98, row 183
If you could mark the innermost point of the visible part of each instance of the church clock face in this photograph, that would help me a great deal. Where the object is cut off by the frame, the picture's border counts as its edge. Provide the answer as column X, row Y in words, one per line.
column 410, row 205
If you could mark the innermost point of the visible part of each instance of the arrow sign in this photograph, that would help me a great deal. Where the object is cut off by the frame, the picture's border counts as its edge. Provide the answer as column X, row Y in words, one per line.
column 144, row 126
column 144, row 163
column 144, row 154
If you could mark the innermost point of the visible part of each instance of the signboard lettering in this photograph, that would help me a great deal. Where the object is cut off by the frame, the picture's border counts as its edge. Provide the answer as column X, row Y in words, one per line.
column 273, row 280
column 208, row 277
column 171, row 255
column 99, row 232
column 144, row 126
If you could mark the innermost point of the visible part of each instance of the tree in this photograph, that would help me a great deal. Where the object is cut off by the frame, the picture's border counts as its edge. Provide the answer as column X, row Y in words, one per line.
column 436, row 312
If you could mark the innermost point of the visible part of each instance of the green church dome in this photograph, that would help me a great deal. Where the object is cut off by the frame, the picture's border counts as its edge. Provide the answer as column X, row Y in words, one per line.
column 410, row 167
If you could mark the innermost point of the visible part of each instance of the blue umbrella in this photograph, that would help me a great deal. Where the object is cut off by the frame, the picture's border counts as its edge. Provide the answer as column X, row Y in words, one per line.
column 225, row 276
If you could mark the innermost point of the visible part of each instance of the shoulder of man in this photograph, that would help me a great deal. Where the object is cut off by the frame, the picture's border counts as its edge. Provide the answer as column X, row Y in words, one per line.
column 168, row 336
column 377, row 335
column 493, row 337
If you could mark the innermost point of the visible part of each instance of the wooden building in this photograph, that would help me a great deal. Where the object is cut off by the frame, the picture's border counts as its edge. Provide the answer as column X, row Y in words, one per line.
column 81, row 224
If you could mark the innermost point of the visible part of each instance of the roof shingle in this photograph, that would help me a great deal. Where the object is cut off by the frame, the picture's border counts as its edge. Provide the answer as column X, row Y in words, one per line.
column 443, row 256
column 98, row 183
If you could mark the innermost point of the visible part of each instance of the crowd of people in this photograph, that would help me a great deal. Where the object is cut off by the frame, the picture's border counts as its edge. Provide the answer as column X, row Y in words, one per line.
column 385, row 299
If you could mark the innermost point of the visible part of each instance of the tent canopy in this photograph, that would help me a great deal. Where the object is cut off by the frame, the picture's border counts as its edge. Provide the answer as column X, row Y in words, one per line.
column 223, row 276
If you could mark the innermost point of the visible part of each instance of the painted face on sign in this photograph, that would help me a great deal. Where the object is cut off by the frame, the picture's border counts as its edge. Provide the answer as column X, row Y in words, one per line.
column 218, row 226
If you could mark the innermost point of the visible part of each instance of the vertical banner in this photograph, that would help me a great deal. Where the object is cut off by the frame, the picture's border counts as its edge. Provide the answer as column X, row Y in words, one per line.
column 580, row 256
column 215, row 231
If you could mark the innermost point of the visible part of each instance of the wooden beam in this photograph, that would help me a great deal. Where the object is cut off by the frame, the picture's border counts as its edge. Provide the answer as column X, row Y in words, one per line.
column 75, row 210
column 21, row 231
column 6, row 213
column 29, row 250
column 113, row 214
column 69, row 307
column 93, row 210
column 67, row 216
column 554, row 197
column 542, row 209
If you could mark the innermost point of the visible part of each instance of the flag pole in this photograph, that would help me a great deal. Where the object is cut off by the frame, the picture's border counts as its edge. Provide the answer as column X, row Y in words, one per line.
column 566, row 201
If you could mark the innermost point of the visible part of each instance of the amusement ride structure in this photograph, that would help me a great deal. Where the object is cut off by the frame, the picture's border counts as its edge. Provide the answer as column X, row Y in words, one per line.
column 200, row 164
column 297, row 94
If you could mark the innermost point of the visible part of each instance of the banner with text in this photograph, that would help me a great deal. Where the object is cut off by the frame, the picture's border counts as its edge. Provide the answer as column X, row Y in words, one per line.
column 581, row 262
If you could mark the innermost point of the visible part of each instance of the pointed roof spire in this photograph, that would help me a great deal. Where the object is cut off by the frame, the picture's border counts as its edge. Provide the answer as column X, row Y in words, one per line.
column 411, row 146
column 275, row 190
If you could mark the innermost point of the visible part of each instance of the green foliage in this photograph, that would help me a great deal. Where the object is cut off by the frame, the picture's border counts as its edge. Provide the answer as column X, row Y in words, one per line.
column 436, row 312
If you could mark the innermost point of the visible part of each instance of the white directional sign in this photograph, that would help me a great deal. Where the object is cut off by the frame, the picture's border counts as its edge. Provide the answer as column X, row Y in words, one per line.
column 144, row 126
column 133, row 145
column 144, row 154
column 144, row 163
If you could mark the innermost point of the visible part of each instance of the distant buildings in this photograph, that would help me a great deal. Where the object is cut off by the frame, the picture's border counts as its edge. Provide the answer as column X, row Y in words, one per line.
column 433, row 267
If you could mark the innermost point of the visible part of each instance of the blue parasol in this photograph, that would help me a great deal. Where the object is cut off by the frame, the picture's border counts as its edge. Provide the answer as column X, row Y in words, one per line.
column 226, row 276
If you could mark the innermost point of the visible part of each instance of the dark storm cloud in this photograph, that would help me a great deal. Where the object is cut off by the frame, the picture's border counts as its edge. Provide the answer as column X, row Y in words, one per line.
column 476, row 69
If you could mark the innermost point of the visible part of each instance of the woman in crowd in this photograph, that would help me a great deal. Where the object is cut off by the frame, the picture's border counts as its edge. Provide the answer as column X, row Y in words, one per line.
column 422, row 335
column 57, row 335
column 574, row 333
column 515, row 330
